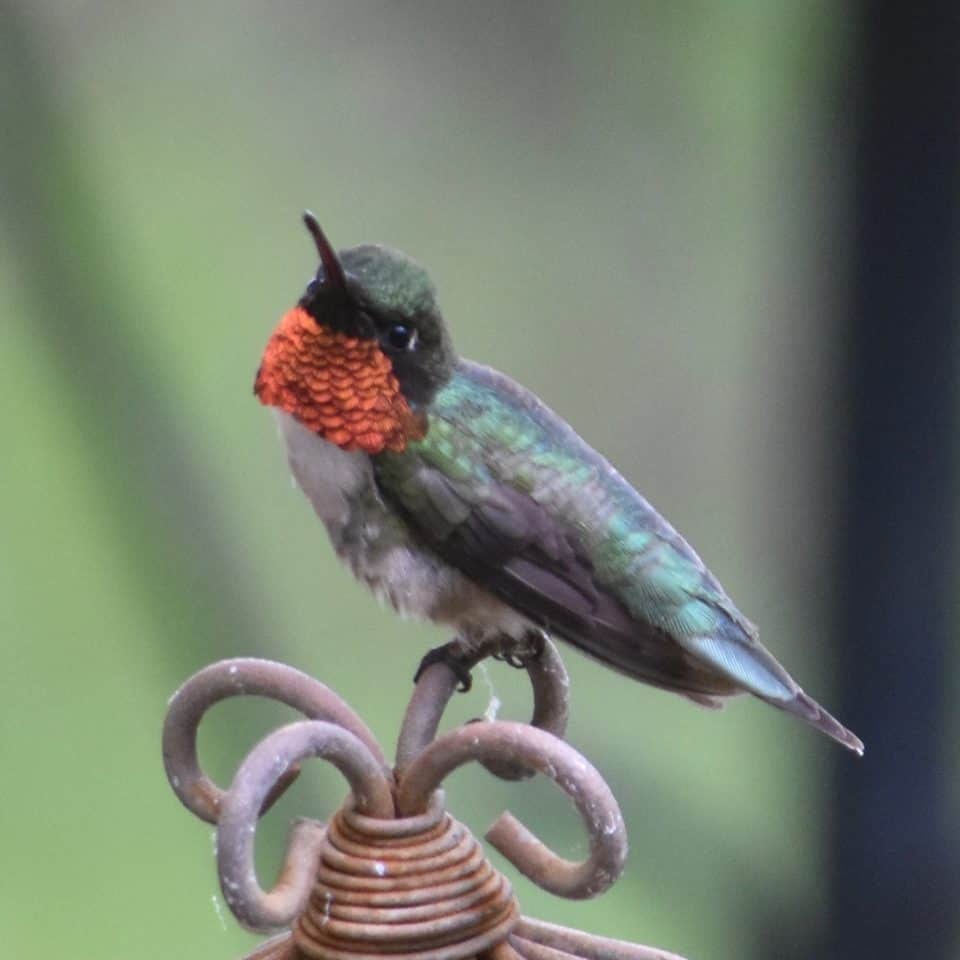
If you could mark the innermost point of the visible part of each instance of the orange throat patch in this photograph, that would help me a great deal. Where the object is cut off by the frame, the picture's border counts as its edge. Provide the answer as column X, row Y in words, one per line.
column 342, row 388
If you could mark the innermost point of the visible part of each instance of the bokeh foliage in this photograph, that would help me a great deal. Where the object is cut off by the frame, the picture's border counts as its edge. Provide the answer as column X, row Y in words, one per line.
column 628, row 207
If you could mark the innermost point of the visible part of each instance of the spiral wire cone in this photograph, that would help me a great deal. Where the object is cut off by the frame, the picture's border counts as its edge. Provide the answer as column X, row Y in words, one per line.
column 414, row 887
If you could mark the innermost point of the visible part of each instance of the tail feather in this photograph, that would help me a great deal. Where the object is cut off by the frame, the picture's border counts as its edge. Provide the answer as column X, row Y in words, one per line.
column 808, row 709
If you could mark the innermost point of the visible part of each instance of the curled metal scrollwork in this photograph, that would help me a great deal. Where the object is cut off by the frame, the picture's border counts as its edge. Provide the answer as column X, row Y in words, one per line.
column 263, row 768
column 540, row 751
column 242, row 677
column 392, row 872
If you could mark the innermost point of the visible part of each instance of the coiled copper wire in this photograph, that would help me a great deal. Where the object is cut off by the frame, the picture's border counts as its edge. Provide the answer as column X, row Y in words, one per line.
column 417, row 887
column 383, row 879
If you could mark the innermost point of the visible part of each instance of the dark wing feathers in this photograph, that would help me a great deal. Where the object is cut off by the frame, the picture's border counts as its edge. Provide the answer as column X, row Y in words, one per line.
column 503, row 490
column 507, row 541
column 504, row 540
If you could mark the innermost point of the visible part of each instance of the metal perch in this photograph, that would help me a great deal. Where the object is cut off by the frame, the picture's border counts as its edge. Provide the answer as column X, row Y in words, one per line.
column 392, row 873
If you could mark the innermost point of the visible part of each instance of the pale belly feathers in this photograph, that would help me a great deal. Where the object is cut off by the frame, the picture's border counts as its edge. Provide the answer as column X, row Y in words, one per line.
column 377, row 547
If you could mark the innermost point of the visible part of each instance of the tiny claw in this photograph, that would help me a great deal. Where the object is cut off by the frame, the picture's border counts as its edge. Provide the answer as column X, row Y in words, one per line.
column 520, row 656
column 450, row 656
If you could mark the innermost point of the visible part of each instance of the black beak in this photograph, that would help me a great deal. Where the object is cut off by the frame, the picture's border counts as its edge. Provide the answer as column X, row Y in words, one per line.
column 330, row 302
column 332, row 268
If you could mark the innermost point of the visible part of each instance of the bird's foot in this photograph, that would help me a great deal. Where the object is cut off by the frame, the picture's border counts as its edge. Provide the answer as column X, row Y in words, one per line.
column 521, row 654
column 452, row 655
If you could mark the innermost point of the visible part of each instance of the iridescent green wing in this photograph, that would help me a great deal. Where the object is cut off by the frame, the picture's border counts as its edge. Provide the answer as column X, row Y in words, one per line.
column 505, row 491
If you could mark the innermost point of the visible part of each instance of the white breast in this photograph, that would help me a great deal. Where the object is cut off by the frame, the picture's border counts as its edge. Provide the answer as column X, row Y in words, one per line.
column 332, row 478
column 376, row 546
column 365, row 534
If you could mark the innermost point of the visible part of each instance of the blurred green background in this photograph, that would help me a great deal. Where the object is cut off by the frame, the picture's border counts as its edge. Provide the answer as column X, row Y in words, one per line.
column 636, row 209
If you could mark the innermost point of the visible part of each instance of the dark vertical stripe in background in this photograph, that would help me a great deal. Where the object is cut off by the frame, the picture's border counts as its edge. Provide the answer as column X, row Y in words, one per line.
column 894, row 842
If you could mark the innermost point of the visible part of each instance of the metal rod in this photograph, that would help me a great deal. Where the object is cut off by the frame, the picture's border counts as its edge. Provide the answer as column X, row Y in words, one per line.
column 581, row 944
column 281, row 947
column 545, row 753
column 437, row 684
column 244, row 676
column 240, row 809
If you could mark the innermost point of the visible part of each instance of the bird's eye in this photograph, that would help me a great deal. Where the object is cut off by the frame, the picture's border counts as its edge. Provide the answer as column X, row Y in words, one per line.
column 401, row 337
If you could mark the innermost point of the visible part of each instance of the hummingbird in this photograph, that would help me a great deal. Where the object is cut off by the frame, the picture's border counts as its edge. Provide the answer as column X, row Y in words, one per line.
column 457, row 496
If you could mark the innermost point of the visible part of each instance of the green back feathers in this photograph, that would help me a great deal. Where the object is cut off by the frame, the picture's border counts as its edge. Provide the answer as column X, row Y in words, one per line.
column 495, row 458
column 486, row 429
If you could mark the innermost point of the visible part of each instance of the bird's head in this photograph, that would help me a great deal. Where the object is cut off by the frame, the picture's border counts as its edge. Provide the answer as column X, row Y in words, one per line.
column 363, row 351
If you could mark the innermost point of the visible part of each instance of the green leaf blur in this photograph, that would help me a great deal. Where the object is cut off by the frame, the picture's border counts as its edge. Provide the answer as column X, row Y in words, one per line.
column 622, row 206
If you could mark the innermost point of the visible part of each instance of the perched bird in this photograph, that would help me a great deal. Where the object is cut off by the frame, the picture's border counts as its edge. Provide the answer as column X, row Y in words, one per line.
column 458, row 496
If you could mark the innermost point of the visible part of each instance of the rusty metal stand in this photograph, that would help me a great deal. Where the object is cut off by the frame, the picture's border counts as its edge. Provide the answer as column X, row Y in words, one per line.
column 392, row 873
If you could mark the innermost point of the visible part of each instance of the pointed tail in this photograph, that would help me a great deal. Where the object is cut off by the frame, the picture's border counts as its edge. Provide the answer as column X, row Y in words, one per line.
column 808, row 709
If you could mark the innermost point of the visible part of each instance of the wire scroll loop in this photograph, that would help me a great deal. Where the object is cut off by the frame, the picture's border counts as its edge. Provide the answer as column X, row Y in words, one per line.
column 243, row 676
column 535, row 749
column 240, row 808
